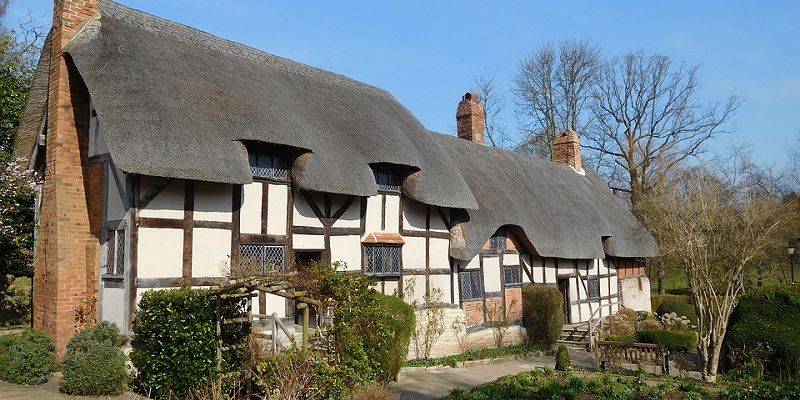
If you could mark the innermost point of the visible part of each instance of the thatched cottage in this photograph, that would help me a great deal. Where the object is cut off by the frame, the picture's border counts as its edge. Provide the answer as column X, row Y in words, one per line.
column 170, row 155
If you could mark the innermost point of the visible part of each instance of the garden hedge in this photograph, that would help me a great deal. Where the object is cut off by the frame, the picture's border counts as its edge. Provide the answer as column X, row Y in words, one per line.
column 542, row 313
column 174, row 342
column 94, row 364
column 27, row 358
column 765, row 328
column 673, row 341
column 402, row 325
column 679, row 304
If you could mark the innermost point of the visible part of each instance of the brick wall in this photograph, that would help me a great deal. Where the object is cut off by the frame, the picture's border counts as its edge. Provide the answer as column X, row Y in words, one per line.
column 470, row 118
column 67, row 261
column 473, row 312
column 514, row 303
column 567, row 150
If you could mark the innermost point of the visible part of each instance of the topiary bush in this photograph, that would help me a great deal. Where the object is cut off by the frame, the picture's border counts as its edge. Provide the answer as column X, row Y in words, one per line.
column 401, row 325
column 174, row 348
column 764, row 332
column 29, row 358
column 93, row 364
column 542, row 313
column 673, row 341
column 562, row 359
column 678, row 304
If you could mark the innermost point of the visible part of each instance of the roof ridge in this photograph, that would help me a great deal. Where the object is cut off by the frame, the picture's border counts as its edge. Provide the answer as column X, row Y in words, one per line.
column 194, row 36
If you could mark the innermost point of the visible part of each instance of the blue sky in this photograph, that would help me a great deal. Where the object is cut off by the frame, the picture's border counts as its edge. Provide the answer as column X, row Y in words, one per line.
column 428, row 53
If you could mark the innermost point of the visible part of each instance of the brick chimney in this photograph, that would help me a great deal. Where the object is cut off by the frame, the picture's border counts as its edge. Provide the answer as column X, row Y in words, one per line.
column 470, row 118
column 66, row 265
column 567, row 150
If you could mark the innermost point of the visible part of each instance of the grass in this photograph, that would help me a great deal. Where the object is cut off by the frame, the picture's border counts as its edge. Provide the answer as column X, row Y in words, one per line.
column 480, row 354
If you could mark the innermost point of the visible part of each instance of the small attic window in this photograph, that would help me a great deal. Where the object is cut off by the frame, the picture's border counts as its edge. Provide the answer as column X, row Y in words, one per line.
column 497, row 243
column 268, row 164
column 387, row 180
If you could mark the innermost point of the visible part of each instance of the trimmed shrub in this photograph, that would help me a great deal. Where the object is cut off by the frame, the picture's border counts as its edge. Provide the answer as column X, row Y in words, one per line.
column 629, row 314
column 393, row 353
column 671, row 340
column 764, row 332
column 30, row 358
column 650, row 325
column 174, row 348
column 679, row 304
column 93, row 364
column 562, row 359
column 542, row 313
column 622, row 338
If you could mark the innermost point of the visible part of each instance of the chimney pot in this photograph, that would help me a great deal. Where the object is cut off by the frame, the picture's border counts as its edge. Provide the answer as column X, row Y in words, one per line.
column 471, row 118
column 567, row 150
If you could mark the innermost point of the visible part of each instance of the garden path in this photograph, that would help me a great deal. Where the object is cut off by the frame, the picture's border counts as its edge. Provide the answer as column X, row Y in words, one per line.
column 49, row 390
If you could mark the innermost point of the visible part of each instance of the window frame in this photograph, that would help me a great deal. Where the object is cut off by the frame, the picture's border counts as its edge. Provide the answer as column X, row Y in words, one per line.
column 369, row 271
column 518, row 273
column 475, row 277
column 115, row 254
column 276, row 167
column 264, row 267
column 589, row 288
column 392, row 180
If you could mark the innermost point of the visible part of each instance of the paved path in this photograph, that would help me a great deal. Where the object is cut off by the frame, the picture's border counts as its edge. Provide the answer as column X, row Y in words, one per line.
column 427, row 385
column 49, row 390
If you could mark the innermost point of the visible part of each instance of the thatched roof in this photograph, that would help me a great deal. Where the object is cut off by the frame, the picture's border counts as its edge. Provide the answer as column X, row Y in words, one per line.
column 562, row 213
column 176, row 102
column 35, row 107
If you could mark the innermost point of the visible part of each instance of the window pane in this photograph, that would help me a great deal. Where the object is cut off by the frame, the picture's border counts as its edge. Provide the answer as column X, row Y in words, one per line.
column 269, row 166
column 513, row 275
column 382, row 260
column 387, row 180
column 256, row 259
column 471, row 288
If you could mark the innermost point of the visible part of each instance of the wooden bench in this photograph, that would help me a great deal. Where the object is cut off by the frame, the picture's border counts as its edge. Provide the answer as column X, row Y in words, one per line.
column 634, row 353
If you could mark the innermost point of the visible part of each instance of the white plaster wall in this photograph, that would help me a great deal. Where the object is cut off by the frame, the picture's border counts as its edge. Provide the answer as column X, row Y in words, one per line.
column 511, row 260
column 456, row 288
column 347, row 249
column 413, row 253
column 550, row 270
column 160, row 253
column 604, row 287
column 615, row 285
column 441, row 282
column 275, row 304
column 439, row 251
column 113, row 307
column 213, row 202
column 250, row 213
column 373, row 217
column 168, row 203
column 491, row 274
column 565, row 267
column 414, row 215
column 593, row 267
column 278, row 203
column 303, row 214
column 392, row 213
column 437, row 224
column 536, row 270
column 351, row 217
column 310, row 242
column 602, row 264
column 390, row 287
column 635, row 293
column 417, row 282
column 211, row 251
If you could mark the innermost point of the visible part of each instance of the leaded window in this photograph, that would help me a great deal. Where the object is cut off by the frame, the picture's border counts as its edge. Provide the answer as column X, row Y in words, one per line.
column 383, row 260
column 497, row 242
column 115, row 252
column 258, row 259
column 593, row 286
column 512, row 275
column 387, row 180
column 268, row 165
column 471, row 285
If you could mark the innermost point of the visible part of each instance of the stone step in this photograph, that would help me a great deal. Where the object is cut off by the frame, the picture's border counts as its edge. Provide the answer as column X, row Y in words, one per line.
column 573, row 344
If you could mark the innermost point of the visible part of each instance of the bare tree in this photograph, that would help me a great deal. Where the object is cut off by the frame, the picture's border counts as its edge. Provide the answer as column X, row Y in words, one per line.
column 494, row 102
column 715, row 233
column 647, row 120
column 552, row 88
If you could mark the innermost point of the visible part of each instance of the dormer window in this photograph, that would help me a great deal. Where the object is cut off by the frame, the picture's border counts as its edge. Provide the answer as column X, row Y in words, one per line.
column 269, row 165
column 387, row 180
column 497, row 243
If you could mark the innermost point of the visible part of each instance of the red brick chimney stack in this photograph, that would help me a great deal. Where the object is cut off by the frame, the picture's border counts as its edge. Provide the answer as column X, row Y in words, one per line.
column 66, row 266
column 567, row 150
column 471, row 118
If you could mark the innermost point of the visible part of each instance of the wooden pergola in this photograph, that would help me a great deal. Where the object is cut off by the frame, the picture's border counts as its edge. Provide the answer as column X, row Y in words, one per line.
column 243, row 288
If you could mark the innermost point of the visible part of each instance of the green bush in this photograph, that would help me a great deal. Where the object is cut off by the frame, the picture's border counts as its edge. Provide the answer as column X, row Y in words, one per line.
column 679, row 304
column 6, row 341
column 15, row 301
column 28, row 359
column 542, row 313
column 93, row 364
column 562, row 359
column 764, row 332
column 673, row 341
column 401, row 325
column 173, row 343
